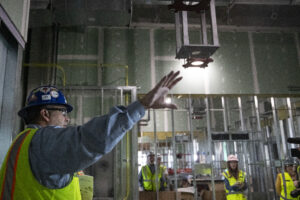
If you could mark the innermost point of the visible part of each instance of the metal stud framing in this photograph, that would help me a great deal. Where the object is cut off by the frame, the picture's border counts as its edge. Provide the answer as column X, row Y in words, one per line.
column 256, row 154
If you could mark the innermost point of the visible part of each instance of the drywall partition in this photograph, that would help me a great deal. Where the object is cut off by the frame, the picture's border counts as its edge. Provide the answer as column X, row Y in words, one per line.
column 9, row 77
column 18, row 12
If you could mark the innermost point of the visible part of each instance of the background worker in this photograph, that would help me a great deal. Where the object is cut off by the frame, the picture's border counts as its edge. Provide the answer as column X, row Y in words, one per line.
column 163, row 171
column 298, row 166
column 42, row 160
column 234, row 179
column 147, row 175
column 291, row 180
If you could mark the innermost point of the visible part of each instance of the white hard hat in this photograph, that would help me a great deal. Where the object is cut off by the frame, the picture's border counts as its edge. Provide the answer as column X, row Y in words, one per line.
column 290, row 161
column 150, row 153
column 232, row 158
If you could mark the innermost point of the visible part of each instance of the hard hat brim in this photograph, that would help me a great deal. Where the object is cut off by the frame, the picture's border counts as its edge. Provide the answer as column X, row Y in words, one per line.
column 233, row 160
column 23, row 112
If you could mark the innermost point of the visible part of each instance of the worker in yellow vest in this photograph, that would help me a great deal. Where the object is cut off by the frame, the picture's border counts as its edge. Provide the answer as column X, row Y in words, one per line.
column 163, row 171
column 290, row 183
column 147, row 175
column 41, row 162
column 296, row 193
column 234, row 179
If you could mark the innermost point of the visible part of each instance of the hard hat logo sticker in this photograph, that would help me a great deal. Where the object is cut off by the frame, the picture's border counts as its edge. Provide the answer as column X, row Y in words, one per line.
column 54, row 94
column 46, row 97
column 45, row 90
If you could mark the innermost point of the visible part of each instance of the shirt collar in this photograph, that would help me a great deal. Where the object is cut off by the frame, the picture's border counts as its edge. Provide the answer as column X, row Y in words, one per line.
column 33, row 126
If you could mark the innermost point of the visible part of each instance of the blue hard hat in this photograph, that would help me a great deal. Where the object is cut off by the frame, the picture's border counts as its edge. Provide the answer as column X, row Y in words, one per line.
column 44, row 95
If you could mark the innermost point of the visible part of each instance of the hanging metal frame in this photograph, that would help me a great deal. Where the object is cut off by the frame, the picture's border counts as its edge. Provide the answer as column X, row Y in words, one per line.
column 204, row 49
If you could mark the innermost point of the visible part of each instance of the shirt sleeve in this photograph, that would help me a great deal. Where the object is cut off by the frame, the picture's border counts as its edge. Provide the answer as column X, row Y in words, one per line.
column 56, row 150
column 278, row 185
column 228, row 186
column 245, row 186
column 141, row 180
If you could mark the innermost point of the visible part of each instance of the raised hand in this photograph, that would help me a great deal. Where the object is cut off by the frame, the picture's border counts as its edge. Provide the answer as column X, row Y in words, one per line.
column 156, row 97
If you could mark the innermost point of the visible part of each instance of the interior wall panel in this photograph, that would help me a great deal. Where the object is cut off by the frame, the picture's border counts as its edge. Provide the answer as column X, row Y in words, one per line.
column 277, row 61
column 274, row 55
column 8, row 78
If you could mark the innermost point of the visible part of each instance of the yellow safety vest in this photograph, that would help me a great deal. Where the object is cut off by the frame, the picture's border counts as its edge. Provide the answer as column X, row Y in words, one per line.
column 298, row 172
column 289, row 187
column 17, row 181
column 162, row 170
column 298, row 175
column 149, row 179
column 232, row 195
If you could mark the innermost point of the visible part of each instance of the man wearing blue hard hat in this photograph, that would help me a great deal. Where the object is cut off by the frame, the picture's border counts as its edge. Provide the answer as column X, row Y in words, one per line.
column 46, row 99
column 42, row 160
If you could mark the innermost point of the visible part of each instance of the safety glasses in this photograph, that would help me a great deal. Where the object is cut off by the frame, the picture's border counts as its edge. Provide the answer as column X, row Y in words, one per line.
column 62, row 110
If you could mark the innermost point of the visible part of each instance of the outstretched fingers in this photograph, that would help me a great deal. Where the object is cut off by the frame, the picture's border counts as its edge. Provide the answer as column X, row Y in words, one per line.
column 174, row 82
column 155, row 98
column 161, row 83
column 171, row 79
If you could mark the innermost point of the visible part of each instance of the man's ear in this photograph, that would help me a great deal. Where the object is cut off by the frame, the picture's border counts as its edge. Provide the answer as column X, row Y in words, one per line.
column 45, row 115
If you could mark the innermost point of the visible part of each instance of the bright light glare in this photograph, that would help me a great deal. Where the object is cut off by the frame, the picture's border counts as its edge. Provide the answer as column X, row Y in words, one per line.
column 194, row 75
column 195, row 157
column 189, row 3
column 168, row 100
column 197, row 63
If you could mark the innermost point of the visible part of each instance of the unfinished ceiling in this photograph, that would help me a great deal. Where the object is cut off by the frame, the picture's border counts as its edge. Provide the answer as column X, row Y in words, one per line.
column 273, row 13
column 237, row 14
column 80, row 12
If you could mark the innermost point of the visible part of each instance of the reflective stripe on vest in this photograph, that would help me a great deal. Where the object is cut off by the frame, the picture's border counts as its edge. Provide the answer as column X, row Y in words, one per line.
column 233, row 195
column 230, row 192
column 149, row 179
column 8, row 184
column 281, row 197
column 17, row 182
column 289, row 187
column 162, row 170
column 147, row 175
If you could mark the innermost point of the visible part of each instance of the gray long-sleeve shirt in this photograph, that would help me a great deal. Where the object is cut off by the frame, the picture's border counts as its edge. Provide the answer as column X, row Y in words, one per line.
column 56, row 153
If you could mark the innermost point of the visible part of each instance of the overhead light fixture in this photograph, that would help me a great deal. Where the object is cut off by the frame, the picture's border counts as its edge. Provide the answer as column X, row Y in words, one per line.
column 196, row 55
column 197, row 62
